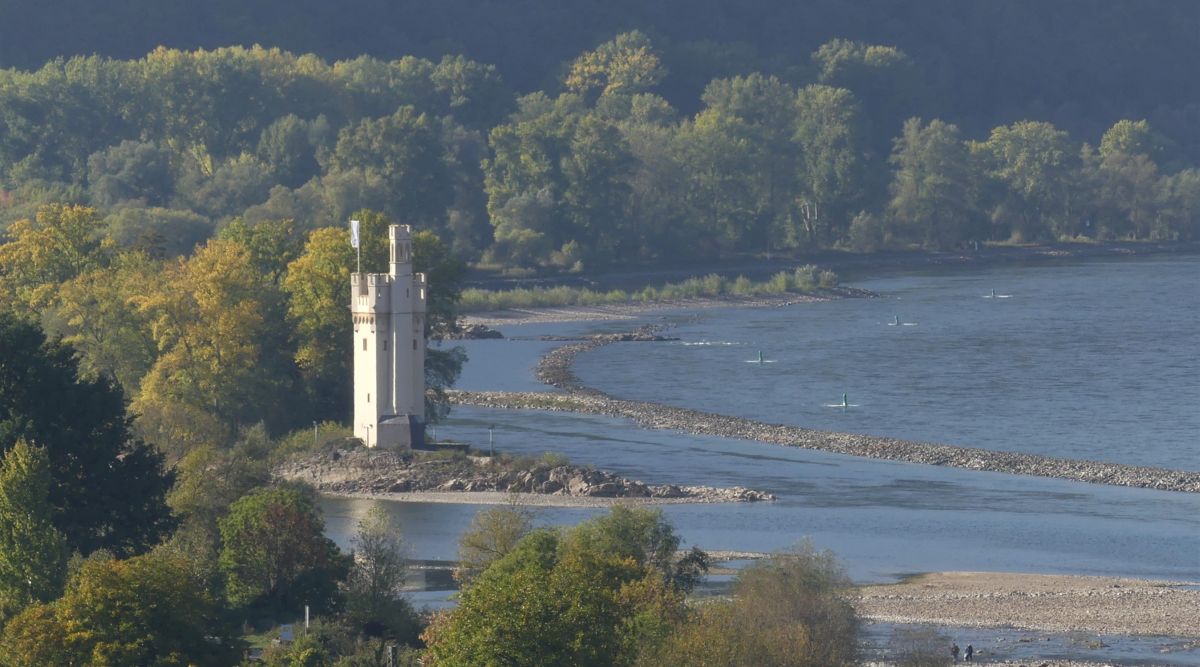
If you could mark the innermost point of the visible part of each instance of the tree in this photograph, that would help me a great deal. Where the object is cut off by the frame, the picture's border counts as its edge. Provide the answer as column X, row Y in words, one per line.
column 1131, row 138
column 493, row 533
column 146, row 610
column 288, row 147
column 36, row 638
column 932, row 189
column 720, row 166
column 477, row 97
column 406, row 150
column 130, row 171
column 792, row 610
column 582, row 597
column 1181, row 204
column 95, row 314
column 596, row 169
column 626, row 65
column 373, row 587
column 107, row 489
column 157, row 232
column 210, row 318
column 275, row 552
column 272, row 244
column 829, row 137
column 761, row 111
column 1032, row 161
column 318, row 284
column 61, row 243
column 33, row 553
column 883, row 77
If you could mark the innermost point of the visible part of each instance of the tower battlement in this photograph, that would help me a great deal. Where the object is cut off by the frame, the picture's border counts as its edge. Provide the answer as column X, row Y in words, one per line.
column 388, row 314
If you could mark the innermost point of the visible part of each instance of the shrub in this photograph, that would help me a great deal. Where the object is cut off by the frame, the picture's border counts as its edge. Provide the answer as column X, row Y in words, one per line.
column 919, row 647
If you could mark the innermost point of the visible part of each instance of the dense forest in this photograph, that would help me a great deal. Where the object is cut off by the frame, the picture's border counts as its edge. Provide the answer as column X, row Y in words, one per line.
column 1080, row 64
column 597, row 169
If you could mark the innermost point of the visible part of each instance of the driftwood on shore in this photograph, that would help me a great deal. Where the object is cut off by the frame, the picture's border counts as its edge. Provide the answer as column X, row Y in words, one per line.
column 555, row 369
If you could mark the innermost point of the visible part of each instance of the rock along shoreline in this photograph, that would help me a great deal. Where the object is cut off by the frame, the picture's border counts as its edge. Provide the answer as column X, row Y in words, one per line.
column 555, row 369
column 359, row 472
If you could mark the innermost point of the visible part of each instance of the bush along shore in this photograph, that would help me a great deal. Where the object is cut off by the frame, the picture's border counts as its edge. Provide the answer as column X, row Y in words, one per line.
column 359, row 471
column 803, row 280
column 555, row 369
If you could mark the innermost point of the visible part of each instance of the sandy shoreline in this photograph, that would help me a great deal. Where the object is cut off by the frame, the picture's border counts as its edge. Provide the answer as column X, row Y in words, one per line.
column 1050, row 603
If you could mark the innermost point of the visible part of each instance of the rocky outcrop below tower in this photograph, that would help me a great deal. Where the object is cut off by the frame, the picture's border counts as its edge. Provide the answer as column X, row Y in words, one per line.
column 359, row 471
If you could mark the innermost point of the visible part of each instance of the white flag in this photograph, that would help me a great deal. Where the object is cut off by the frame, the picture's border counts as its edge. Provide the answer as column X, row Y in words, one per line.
column 353, row 233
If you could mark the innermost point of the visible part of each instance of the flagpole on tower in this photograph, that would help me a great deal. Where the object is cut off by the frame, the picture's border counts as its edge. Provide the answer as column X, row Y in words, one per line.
column 355, row 243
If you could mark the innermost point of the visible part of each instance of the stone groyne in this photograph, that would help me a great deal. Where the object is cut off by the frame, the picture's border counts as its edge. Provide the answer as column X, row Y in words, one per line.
column 555, row 369
column 653, row 415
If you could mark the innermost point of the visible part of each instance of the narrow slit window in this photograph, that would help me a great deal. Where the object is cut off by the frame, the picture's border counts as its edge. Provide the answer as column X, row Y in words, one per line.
column 364, row 345
column 368, row 398
column 385, row 345
column 414, row 344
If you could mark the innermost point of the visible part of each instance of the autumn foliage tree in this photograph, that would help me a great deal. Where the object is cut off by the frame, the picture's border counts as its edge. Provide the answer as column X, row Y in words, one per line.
column 275, row 554
column 791, row 610
column 146, row 610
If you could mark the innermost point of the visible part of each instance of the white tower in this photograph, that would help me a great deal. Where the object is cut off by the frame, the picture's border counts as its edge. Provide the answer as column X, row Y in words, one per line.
column 389, row 350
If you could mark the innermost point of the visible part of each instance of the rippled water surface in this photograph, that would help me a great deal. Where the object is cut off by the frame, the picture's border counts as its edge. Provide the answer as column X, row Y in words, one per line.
column 1096, row 360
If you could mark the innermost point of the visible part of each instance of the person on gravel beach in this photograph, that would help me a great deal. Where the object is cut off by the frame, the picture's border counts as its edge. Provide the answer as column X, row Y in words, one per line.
column 970, row 655
column 954, row 651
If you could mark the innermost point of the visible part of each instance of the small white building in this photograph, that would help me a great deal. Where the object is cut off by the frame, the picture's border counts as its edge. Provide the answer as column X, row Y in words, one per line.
column 389, row 350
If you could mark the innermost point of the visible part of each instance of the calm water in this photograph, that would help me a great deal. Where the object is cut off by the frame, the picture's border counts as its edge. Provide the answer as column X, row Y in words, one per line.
column 1092, row 360
column 1095, row 360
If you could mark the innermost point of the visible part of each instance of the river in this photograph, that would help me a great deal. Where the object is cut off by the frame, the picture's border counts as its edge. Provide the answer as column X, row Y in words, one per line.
column 1089, row 359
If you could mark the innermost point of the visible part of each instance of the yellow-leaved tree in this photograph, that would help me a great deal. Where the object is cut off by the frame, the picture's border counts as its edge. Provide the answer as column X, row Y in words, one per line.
column 209, row 321
column 59, row 244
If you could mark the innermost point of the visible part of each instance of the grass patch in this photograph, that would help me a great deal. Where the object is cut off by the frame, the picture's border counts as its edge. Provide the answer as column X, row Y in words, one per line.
column 804, row 280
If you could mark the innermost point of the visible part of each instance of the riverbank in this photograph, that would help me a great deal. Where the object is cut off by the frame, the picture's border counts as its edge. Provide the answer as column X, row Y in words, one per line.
column 357, row 472
column 848, row 265
column 635, row 310
column 1049, row 603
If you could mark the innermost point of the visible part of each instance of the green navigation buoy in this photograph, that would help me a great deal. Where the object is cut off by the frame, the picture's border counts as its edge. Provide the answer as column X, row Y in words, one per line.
column 993, row 292
column 896, row 321
column 760, row 357
column 845, row 401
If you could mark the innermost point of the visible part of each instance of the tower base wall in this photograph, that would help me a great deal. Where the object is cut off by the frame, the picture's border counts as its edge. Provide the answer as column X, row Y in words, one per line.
column 401, row 432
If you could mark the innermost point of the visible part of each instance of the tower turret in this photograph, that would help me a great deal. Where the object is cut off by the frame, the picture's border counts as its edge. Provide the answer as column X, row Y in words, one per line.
column 388, row 311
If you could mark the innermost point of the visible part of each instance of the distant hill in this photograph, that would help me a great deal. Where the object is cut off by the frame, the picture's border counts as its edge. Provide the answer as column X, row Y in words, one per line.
column 1077, row 63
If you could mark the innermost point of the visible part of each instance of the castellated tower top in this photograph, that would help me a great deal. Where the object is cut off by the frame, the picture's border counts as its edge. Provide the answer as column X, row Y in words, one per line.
column 400, row 245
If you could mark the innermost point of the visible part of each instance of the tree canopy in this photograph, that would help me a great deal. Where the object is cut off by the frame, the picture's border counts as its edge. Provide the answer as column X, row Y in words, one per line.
column 107, row 489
